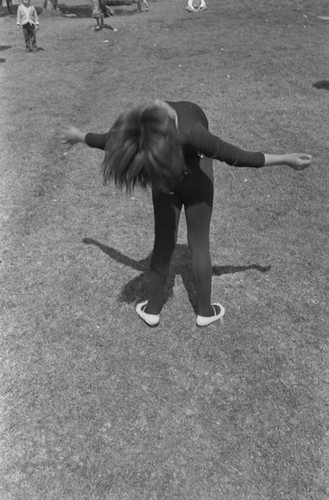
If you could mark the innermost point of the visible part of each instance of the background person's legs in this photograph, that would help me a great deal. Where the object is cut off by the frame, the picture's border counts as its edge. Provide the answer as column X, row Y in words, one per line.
column 33, row 38
column 27, row 39
column 9, row 6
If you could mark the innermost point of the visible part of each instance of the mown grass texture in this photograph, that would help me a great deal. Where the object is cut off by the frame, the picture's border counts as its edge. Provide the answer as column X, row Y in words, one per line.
column 94, row 404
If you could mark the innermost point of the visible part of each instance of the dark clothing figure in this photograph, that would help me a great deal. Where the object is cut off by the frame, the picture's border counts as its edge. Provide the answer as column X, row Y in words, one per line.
column 168, row 146
column 27, row 17
column 195, row 193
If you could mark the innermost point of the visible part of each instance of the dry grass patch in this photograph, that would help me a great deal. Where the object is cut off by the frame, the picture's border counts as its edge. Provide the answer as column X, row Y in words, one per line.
column 94, row 404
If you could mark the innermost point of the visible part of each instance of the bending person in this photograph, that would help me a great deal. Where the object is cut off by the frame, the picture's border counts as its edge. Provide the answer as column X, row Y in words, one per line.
column 168, row 147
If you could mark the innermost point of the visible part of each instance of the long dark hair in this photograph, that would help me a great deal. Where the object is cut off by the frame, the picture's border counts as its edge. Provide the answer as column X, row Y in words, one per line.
column 144, row 148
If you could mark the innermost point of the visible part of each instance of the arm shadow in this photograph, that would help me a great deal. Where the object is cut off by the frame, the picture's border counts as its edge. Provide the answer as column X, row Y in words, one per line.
column 136, row 289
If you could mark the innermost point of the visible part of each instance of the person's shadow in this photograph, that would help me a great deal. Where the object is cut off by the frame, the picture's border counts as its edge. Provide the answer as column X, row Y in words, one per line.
column 136, row 289
column 4, row 47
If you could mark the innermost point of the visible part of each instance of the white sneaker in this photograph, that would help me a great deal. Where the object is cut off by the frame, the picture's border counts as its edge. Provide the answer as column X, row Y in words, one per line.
column 150, row 319
column 207, row 320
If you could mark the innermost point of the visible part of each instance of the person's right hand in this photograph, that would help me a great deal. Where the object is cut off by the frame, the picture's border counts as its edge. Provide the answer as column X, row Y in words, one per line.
column 72, row 135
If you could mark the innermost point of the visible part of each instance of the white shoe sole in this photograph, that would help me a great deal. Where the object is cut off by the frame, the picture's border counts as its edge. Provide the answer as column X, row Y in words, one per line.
column 150, row 319
column 208, row 320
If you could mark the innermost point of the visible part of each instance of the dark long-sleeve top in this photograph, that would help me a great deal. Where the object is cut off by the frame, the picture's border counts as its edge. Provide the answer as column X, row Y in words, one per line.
column 195, row 137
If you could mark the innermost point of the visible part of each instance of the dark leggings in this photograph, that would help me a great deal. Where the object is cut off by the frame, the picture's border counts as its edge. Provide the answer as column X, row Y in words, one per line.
column 196, row 195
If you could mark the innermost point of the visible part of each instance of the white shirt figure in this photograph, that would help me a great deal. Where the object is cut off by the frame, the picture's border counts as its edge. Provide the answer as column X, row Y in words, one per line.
column 27, row 13
column 196, row 5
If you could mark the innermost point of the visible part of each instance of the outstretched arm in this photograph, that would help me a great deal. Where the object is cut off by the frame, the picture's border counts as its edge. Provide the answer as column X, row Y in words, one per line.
column 73, row 135
column 214, row 147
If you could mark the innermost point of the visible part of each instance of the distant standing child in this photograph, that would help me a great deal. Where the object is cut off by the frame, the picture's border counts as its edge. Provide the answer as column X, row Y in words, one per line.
column 27, row 17
column 98, row 15
column 196, row 5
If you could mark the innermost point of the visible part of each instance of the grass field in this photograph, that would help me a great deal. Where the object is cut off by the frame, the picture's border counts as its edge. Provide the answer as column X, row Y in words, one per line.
column 94, row 404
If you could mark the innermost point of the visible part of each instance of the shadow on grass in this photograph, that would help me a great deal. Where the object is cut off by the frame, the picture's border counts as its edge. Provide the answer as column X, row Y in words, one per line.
column 137, row 289
column 4, row 47
column 323, row 84
column 80, row 11
column 83, row 11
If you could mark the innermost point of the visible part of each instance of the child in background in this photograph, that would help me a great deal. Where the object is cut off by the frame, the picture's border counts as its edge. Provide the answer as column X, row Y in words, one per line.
column 27, row 17
column 98, row 15
column 196, row 5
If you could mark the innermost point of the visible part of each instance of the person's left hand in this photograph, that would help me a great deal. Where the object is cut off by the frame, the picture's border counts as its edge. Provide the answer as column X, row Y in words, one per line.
column 298, row 161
